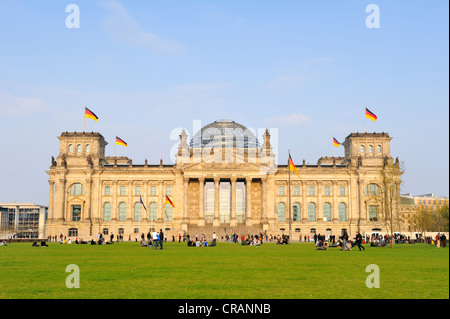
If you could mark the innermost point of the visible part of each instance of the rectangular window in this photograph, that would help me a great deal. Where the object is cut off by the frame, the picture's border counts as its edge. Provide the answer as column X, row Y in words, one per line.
column 327, row 191
column 153, row 190
column 296, row 190
column 123, row 190
column 76, row 213
column 311, row 191
column 169, row 190
column 73, row 232
column 138, row 190
column 373, row 213
column 107, row 190
column 342, row 191
column 281, row 190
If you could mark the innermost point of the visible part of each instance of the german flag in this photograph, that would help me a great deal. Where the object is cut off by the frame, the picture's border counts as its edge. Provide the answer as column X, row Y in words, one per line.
column 335, row 142
column 168, row 201
column 292, row 166
column 90, row 115
column 119, row 141
column 370, row 115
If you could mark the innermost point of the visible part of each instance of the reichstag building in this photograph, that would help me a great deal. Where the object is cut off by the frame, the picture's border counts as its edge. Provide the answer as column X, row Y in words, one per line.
column 224, row 180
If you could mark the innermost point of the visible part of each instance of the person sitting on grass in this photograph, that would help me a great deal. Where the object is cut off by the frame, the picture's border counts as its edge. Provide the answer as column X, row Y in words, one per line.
column 347, row 246
column 324, row 246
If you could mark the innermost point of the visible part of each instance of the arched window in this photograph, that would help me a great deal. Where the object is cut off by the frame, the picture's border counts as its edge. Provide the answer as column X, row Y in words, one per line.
column 372, row 190
column 311, row 212
column 70, row 148
column 107, row 212
column 137, row 212
column 378, row 148
column 153, row 212
column 105, row 231
column 168, row 213
column 88, row 148
column 327, row 212
column 76, row 189
column 296, row 212
column 342, row 212
column 361, row 149
column 122, row 212
column 281, row 212
column 79, row 148
column 370, row 149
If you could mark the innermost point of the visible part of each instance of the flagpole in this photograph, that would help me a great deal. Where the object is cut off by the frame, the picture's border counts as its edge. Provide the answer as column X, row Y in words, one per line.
column 290, row 224
column 84, row 117
column 365, row 121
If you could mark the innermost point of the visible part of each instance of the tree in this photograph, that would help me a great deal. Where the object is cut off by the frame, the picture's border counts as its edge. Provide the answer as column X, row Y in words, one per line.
column 425, row 219
column 388, row 198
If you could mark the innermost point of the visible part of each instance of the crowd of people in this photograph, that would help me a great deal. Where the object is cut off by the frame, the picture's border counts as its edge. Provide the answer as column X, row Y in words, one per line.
column 201, row 241
column 440, row 240
column 155, row 240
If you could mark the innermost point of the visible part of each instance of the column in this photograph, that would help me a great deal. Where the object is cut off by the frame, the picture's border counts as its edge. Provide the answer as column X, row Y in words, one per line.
column 335, row 206
column 233, row 221
column 161, row 199
column 264, row 200
column 304, row 208
column 319, row 208
column 363, row 211
column 145, row 191
column 114, row 204
column 50, row 200
column 201, row 202
column 130, row 204
column 16, row 218
column 216, row 202
column 248, row 202
column 60, row 198
column 87, row 205
column 186, row 199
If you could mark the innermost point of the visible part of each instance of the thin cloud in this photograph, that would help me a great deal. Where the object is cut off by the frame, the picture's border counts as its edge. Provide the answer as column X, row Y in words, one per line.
column 19, row 106
column 311, row 71
column 289, row 81
column 120, row 25
column 288, row 120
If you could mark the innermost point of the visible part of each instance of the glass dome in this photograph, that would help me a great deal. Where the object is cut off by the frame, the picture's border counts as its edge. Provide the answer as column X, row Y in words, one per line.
column 226, row 134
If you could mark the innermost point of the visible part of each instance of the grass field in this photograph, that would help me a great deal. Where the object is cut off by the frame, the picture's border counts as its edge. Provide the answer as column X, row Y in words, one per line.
column 226, row 271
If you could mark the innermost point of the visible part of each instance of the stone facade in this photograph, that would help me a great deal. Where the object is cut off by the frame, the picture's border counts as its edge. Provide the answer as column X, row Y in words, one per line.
column 215, row 186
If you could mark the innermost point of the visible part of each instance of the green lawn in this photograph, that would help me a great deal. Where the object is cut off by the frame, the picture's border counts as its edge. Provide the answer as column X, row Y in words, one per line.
column 271, row 271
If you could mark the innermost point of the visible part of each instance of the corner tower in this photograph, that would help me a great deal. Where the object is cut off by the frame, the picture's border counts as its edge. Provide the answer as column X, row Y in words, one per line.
column 368, row 149
column 83, row 150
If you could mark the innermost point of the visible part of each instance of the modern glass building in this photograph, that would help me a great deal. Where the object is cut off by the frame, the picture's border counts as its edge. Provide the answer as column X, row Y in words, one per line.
column 23, row 220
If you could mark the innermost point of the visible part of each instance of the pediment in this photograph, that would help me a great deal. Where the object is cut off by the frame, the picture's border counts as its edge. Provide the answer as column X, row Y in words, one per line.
column 217, row 162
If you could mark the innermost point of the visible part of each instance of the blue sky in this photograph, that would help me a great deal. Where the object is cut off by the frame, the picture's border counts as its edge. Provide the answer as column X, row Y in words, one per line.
column 148, row 68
